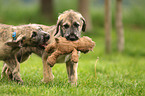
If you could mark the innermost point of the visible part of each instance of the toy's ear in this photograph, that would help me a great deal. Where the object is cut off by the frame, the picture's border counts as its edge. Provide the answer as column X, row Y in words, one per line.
column 57, row 40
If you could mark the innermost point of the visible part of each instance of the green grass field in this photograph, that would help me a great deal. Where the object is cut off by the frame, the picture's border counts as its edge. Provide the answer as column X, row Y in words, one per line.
column 116, row 74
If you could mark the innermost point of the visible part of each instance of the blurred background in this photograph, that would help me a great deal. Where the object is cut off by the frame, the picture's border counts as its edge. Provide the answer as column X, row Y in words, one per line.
column 35, row 11
column 16, row 12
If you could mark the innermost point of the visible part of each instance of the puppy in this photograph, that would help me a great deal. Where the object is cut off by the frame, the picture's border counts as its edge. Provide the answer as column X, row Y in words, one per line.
column 13, row 38
column 70, row 24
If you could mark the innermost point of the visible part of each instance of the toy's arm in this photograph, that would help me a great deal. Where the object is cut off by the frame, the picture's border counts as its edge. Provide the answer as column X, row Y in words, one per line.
column 50, row 47
column 51, row 60
column 74, row 56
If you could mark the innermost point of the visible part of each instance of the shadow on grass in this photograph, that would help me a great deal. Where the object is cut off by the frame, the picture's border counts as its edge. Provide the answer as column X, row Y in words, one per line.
column 51, row 84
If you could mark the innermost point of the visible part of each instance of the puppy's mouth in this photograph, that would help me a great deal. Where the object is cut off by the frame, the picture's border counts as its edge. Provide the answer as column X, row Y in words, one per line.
column 44, row 42
column 72, row 37
column 42, row 46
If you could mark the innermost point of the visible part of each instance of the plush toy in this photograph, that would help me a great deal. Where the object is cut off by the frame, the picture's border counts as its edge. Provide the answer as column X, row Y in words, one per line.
column 62, row 46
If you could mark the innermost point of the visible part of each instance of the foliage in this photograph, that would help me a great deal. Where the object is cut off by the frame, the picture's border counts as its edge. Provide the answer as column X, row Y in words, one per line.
column 19, row 13
column 133, row 15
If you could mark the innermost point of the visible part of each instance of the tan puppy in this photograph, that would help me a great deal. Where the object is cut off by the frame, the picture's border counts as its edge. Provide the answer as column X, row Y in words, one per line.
column 70, row 24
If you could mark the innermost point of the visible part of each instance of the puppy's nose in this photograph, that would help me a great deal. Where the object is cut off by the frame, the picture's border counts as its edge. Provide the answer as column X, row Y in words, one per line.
column 47, row 37
column 71, row 32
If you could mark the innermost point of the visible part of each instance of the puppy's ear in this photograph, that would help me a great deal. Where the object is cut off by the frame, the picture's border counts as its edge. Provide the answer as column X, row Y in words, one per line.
column 57, row 40
column 84, row 24
column 58, row 24
column 16, row 43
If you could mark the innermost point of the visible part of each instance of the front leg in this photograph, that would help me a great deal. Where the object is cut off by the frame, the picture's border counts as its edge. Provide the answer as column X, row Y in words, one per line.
column 47, row 70
column 14, row 67
column 6, row 72
column 3, row 73
column 72, row 71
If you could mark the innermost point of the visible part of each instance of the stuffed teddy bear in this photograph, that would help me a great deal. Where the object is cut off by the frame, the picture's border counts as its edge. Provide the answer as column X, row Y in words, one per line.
column 62, row 46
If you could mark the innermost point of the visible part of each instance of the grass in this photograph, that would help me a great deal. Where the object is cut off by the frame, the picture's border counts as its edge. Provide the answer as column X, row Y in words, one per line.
column 117, row 74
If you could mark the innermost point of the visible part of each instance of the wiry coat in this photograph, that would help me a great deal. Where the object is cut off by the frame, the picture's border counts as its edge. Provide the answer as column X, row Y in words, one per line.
column 10, row 45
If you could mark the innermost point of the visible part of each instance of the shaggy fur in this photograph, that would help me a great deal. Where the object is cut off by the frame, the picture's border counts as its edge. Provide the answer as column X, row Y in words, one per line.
column 25, row 35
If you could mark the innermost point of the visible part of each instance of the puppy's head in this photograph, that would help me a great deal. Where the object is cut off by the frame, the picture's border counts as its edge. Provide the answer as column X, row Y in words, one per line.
column 37, row 37
column 29, row 35
column 70, row 24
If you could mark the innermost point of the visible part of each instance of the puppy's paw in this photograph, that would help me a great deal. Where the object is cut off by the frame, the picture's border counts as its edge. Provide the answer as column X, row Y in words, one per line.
column 48, row 79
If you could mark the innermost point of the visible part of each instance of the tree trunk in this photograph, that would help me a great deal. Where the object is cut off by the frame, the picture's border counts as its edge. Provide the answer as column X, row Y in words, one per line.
column 83, row 7
column 47, row 8
column 119, row 26
column 108, row 25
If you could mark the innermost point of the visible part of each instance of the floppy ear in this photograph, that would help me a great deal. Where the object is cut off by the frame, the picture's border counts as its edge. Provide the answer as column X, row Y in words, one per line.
column 84, row 24
column 58, row 24
column 14, row 44
column 57, row 40
column 17, row 42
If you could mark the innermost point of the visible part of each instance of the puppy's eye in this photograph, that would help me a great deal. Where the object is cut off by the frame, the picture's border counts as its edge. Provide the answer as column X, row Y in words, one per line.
column 66, row 26
column 34, row 34
column 76, row 24
column 40, row 29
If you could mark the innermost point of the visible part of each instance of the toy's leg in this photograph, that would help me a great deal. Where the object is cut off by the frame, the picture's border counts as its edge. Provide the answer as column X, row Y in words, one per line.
column 51, row 60
column 47, row 70
column 74, row 56
column 72, row 72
